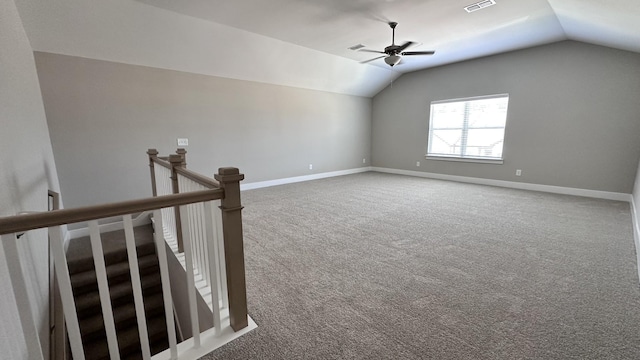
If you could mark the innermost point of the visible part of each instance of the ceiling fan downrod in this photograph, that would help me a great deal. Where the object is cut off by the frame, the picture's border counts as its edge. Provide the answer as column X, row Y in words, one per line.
column 393, row 25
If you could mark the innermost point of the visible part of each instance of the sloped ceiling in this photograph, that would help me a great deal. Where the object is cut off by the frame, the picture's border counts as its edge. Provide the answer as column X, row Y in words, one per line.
column 304, row 43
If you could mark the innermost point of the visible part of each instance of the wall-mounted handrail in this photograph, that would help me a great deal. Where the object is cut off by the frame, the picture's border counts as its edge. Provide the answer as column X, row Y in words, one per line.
column 26, row 222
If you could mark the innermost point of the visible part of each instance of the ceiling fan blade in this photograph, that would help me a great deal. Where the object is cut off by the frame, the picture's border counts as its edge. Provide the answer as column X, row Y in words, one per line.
column 405, row 45
column 418, row 53
column 372, row 51
column 370, row 60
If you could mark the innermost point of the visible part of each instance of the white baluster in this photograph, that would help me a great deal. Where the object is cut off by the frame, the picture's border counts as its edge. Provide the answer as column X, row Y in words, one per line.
column 220, row 259
column 66, row 293
column 213, row 273
column 204, row 241
column 132, row 253
column 166, row 285
column 191, row 289
column 103, row 289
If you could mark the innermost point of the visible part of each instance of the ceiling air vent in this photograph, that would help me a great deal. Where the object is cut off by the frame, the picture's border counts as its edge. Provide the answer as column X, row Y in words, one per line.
column 356, row 47
column 479, row 5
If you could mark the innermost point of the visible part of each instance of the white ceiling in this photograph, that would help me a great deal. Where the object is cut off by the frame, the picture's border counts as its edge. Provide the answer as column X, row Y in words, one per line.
column 304, row 43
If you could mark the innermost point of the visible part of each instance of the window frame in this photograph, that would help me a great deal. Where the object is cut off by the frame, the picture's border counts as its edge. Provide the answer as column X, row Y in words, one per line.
column 465, row 128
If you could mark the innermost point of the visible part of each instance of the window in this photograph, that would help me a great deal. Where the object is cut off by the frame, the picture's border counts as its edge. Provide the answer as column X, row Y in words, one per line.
column 470, row 129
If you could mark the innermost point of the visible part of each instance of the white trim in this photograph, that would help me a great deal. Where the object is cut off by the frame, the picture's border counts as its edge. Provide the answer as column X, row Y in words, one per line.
column 471, row 98
column 142, row 219
column 210, row 341
column 268, row 183
column 636, row 231
column 512, row 184
column 464, row 159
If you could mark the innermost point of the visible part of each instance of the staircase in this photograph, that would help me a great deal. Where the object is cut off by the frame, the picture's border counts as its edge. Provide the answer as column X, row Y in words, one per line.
column 210, row 213
column 85, row 292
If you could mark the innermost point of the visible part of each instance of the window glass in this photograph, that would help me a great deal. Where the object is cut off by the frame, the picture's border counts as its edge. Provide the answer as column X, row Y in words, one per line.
column 470, row 128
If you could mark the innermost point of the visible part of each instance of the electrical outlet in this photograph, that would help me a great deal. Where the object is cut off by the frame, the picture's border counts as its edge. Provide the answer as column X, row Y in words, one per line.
column 310, row 166
column 183, row 142
column 518, row 172
column 417, row 163
column 364, row 161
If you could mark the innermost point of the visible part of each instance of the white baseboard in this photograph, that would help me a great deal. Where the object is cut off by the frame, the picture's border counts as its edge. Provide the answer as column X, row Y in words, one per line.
column 512, row 184
column 142, row 219
column 636, row 231
column 262, row 184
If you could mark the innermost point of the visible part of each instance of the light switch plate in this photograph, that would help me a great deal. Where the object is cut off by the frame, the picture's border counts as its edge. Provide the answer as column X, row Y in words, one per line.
column 183, row 142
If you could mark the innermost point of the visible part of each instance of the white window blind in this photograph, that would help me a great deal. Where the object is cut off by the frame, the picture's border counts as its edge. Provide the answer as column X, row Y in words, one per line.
column 470, row 128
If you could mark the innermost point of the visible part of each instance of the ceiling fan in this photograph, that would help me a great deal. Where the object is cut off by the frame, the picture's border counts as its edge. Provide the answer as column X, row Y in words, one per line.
column 393, row 53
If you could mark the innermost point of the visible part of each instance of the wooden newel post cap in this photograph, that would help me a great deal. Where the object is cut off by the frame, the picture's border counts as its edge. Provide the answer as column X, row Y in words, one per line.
column 175, row 160
column 228, row 174
column 183, row 154
column 152, row 152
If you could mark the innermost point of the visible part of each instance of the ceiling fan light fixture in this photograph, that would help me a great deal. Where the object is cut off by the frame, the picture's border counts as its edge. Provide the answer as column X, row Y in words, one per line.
column 392, row 60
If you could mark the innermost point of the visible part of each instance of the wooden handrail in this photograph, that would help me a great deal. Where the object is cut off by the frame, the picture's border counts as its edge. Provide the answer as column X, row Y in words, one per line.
column 21, row 223
column 162, row 162
column 200, row 179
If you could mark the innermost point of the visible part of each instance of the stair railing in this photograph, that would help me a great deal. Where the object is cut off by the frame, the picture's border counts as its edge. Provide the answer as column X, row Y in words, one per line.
column 172, row 176
column 163, row 182
column 218, row 268
column 228, row 196
column 198, row 231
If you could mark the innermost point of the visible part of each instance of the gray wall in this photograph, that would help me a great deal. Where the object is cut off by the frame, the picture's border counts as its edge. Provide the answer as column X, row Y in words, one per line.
column 27, row 172
column 573, row 116
column 103, row 116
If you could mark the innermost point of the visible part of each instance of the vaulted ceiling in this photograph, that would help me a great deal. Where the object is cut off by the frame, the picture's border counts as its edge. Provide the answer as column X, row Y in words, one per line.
column 304, row 43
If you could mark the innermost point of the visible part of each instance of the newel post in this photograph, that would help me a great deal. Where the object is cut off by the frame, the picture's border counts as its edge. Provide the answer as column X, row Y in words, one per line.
column 153, row 154
column 183, row 154
column 177, row 161
column 231, row 207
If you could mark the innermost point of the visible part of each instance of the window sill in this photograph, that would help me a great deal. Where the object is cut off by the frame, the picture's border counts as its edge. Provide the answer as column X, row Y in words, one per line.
column 469, row 160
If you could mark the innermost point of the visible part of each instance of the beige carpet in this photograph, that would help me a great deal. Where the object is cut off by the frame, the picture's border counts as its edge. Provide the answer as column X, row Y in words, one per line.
column 379, row 266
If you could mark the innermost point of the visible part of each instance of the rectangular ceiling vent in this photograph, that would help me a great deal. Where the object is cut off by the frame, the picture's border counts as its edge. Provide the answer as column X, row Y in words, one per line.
column 356, row 47
column 479, row 5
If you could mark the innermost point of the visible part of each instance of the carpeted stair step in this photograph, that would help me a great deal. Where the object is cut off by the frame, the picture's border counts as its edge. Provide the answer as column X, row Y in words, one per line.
column 128, row 341
column 111, row 257
column 85, row 281
column 79, row 256
column 124, row 316
column 121, row 293
column 160, row 343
